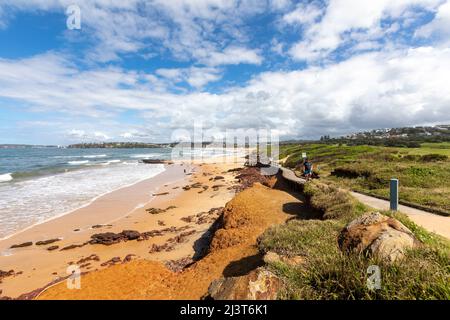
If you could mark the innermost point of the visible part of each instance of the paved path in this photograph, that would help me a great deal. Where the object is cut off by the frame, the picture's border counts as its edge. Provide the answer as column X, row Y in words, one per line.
column 430, row 221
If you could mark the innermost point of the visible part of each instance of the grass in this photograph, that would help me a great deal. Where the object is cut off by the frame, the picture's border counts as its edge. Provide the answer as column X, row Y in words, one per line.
column 424, row 173
column 328, row 273
column 426, row 148
column 333, row 202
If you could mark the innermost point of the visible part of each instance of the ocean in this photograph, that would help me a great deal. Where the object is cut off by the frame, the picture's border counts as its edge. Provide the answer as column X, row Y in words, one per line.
column 38, row 184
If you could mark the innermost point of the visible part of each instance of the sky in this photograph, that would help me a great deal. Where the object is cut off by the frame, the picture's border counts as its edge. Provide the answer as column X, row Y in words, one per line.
column 141, row 70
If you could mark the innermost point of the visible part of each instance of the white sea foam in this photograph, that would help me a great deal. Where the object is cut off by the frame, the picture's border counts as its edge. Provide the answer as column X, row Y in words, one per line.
column 29, row 202
column 148, row 155
column 65, row 157
column 94, row 156
column 132, row 163
column 76, row 163
column 109, row 162
column 5, row 177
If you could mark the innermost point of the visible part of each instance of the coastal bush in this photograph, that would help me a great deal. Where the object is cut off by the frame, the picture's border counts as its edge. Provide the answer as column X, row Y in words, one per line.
column 434, row 157
column 423, row 172
column 327, row 273
column 333, row 202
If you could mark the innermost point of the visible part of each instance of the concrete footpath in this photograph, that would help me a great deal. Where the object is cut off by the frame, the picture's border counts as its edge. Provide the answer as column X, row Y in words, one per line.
column 430, row 221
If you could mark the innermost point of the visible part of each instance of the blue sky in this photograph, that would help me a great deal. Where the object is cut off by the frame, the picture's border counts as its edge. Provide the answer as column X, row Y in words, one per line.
column 140, row 70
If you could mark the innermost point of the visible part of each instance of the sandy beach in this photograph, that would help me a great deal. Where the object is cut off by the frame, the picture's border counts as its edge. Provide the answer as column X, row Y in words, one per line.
column 186, row 200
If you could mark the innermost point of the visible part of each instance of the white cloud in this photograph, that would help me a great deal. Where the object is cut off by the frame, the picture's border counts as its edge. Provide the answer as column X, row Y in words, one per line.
column 304, row 13
column 388, row 86
column 196, row 77
column 172, row 74
column 98, row 135
column 232, row 55
column 199, row 77
column 341, row 17
column 439, row 27
column 138, row 134
column 77, row 134
column 189, row 30
column 82, row 135
column 377, row 89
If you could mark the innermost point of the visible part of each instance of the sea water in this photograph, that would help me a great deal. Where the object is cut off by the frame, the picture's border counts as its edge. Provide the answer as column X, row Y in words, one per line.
column 38, row 184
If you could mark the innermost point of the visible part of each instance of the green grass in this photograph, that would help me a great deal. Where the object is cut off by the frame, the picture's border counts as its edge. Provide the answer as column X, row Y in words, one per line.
column 424, row 173
column 332, row 202
column 328, row 273
column 427, row 148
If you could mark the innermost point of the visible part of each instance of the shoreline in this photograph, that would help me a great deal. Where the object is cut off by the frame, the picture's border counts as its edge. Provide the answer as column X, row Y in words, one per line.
column 60, row 215
column 108, row 214
column 74, row 211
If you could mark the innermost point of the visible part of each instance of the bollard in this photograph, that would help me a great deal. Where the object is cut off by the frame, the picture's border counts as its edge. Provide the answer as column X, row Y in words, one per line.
column 394, row 194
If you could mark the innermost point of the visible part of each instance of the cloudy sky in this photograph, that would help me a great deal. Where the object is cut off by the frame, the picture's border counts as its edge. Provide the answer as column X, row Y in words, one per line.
column 138, row 70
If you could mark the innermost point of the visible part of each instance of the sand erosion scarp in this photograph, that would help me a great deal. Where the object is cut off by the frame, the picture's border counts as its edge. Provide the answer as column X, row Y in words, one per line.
column 232, row 252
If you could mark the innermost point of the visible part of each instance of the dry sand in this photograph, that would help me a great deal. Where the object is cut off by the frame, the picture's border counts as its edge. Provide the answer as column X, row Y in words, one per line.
column 233, row 252
column 125, row 209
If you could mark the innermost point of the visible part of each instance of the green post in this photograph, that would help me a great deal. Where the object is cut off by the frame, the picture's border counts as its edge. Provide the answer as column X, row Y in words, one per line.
column 394, row 194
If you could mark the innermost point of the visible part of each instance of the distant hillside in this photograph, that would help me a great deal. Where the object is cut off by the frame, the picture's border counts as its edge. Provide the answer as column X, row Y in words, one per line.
column 398, row 137
column 123, row 145
column 406, row 132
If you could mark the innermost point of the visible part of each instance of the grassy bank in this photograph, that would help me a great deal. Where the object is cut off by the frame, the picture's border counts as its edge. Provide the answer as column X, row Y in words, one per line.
column 327, row 273
column 424, row 172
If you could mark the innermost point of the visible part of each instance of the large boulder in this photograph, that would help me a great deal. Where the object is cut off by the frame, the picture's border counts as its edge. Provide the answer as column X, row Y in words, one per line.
column 259, row 284
column 378, row 235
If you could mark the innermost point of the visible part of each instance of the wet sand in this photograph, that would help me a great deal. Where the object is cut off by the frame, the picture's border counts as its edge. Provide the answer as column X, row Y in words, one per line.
column 124, row 209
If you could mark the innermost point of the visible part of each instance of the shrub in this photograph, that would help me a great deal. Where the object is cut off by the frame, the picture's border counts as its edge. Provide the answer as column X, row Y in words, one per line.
column 333, row 202
column 346, row 172
column 433, row 157
column 411, row 157
column 413, row 144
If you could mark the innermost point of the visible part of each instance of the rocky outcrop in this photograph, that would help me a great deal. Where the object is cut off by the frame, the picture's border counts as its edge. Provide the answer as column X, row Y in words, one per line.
column 72, row 246
column 158, row 211
column 204, row 217
column 109, row 238
column 259, row 284
column 21, row 245
column 377, row 235
column 111, row 262
column 46, row 242
column 5, row 274
column 249, row 176
column 179, row 265
column 131, row 234
column 273, row 258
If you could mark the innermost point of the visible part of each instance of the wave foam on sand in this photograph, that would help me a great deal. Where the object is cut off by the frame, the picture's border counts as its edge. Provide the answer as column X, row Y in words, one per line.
column 6, row 177
column 55, row 195
column 76, row 163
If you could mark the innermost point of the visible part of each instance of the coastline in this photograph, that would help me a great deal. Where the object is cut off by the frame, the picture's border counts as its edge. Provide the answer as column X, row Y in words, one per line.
column 123, row 209
column 76, row 209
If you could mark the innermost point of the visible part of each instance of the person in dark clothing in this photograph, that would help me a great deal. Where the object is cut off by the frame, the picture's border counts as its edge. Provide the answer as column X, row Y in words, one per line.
column 307, row 169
